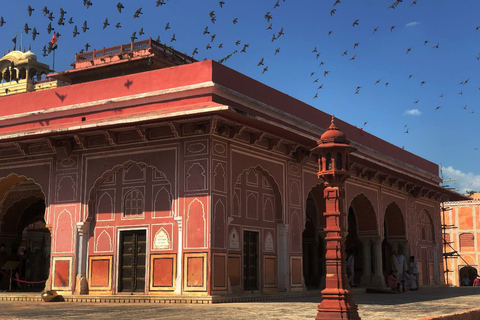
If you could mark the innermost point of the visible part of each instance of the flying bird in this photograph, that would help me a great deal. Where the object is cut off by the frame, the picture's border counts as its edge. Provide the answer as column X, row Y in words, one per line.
column 49, row 28
column 378, row 81
column 235, row 20
column 137, row 13
column 422, row 83
column 173, row 38
column 26, row 28
column 204, row 31
column 70, row 21
column 277, row 50
column 425, row 42
column 330, row 32
column 435, row 46
column 355, row 23
column 352, row 58
column 344, row 53
column 45, row 11
column 30, row 10
column 437, row 108
column 265, row 69
column 120, row 7
column 336, row 2
column 34, row 33
column 118, row 25
column 221, row 3
column 332, row 12
column 85, row 28
column 416, row 101
column 141, row 32
column 2, row 21
column 134, row 36
column 269, row 27
column 355, row 45
column 325, row 73
column 392, row 27
column 375, row 30
column 105, row 23
column 75, row 31
column 409, row 49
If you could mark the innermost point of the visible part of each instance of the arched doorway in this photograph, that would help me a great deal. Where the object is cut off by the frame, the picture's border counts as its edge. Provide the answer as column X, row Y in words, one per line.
column 362, row 234
column 426, row 248
column 256, row 212
column 123, row 206
column 467, row 272
column 313, row 245
column 354, row 245
column 24, row 234
column 394, row 235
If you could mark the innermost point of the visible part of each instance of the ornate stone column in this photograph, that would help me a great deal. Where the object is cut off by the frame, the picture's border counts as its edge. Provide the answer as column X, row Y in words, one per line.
column 283, row 264
column 81, row 283
column 178, row 279
column 334, row 150
column 378, row 279
column 366, row 279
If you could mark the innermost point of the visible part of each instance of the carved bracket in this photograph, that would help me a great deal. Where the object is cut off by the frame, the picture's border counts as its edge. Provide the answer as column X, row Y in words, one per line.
column 111, row 137
column 22, row 147
column 81, row 141
column 142, row 133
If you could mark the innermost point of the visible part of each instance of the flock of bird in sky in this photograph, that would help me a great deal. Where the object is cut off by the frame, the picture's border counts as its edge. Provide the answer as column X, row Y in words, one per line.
column 42, row 21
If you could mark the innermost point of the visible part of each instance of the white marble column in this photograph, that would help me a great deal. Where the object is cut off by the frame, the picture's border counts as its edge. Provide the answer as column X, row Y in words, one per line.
column 378, row 279
column 282, row 253
column 81, row 283
column 366, row 279
column 178, row 279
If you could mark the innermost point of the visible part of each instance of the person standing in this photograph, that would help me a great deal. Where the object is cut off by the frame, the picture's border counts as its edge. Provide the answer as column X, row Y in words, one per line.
column 402, row 267
column 394, row 261
column 413, row 265
column 351, row 268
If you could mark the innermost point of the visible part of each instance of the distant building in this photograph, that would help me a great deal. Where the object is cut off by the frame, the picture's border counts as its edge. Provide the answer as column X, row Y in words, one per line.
column 462, row 237
column 156, row 174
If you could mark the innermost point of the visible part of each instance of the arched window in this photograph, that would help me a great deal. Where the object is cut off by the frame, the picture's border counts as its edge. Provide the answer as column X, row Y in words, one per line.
column 329, row 162
column 338, row 164
column 134, row 204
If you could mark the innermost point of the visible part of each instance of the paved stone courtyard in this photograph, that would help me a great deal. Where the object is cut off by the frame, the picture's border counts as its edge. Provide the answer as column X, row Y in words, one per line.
column 431, row 301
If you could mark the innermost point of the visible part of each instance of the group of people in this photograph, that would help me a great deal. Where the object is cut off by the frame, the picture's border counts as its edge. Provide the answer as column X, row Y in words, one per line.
column 466, row 281
column 403, row 276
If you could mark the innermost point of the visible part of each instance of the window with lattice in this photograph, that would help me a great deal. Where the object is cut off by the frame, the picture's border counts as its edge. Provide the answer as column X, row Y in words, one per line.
column 134, row 204
column 467, row 242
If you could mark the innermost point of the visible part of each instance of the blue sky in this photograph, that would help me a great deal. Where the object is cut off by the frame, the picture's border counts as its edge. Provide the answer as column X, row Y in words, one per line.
column 448, row 135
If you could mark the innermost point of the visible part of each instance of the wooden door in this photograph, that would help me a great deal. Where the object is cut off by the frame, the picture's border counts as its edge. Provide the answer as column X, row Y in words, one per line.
column 250, row 260
column 132, row 261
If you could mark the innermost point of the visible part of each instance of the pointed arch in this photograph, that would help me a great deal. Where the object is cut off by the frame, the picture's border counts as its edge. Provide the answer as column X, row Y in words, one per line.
column 394, row 221
column 365, row 215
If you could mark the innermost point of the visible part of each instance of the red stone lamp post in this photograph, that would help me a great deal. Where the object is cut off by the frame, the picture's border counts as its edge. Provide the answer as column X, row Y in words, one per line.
column 334, row 150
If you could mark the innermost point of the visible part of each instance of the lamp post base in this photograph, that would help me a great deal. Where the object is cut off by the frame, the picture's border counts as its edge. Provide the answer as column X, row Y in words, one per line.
column 337, row 305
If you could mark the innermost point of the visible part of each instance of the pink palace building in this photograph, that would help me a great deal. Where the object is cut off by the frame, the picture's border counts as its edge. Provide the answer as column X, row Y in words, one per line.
column 142, row 171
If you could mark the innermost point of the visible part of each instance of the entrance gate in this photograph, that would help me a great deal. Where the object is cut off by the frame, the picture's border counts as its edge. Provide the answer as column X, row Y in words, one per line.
column 132, row 261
